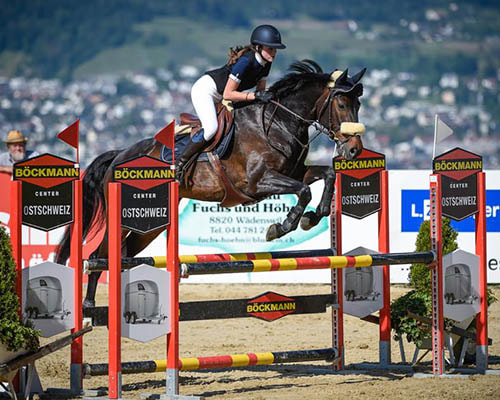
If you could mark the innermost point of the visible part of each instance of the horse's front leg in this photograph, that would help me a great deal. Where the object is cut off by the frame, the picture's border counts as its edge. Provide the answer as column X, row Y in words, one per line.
column 313, row 174
column 272, row 183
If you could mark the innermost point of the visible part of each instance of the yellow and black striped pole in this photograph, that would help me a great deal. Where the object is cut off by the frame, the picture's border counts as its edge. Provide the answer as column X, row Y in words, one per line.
column 229, row 361
column 101, row 264
column 290, row 264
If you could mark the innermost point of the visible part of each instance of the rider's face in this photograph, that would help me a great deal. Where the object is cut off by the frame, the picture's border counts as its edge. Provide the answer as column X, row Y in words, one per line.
column 268, row 53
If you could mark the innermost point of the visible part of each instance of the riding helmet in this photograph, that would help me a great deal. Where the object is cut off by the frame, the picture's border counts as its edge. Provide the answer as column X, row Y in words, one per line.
column 267, row 35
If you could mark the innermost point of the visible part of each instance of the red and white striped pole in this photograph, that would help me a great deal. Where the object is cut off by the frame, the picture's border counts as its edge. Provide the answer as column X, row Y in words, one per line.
column 436, row 276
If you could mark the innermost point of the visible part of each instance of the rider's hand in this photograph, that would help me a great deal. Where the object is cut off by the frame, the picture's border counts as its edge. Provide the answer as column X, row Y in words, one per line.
column 263, row 96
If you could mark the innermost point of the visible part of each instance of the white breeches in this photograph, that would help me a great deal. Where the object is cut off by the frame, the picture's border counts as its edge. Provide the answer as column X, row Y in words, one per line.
column 205, row 97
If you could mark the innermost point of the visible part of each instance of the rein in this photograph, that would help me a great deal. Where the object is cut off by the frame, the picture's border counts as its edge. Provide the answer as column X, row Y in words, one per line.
column 317, row 125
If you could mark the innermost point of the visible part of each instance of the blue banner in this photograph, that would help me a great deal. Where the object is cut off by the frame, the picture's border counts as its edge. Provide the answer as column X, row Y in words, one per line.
column 415, row 206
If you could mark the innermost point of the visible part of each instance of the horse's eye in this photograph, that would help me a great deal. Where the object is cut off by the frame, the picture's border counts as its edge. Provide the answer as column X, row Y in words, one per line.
column 341, row 106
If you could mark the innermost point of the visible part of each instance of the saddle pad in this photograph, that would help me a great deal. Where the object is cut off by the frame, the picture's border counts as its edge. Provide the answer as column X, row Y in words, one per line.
column 181, row 142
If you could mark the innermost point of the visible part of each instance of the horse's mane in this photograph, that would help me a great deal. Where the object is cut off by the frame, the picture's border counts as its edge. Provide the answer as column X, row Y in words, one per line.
column 302, row 73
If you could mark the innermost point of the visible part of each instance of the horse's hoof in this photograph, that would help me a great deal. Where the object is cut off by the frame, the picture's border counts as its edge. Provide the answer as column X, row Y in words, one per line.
column 307, row 220
column 88, row 303
column 305, row 223
column 272, row 232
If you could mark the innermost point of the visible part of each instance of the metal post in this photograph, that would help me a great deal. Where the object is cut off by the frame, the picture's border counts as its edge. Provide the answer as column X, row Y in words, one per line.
column 436, row 276
column 482, row 316
column 383, row 247
column 336, row 275
column 114, row 295
column 172, row 372
column 76, row 372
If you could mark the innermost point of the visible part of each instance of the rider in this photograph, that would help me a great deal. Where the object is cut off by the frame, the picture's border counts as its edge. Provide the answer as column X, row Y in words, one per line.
column 247, row 67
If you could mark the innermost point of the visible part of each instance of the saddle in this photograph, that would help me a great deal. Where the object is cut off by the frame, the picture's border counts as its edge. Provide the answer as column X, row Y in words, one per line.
column 191, row 124
column 225, row 119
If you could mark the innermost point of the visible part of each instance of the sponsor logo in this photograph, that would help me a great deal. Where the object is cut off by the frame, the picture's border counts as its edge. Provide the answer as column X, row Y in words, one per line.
column 125, row 174
column 143, row 172
column 367, row 163
column 46, row 171
column 457, row 164
column 271, row 306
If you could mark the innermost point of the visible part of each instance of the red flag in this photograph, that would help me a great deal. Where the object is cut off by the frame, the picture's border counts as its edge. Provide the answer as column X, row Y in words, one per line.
column 70, row 134
column 166, row 135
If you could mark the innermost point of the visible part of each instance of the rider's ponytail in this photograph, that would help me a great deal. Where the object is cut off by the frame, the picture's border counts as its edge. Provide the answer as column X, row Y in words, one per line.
column 235, row 53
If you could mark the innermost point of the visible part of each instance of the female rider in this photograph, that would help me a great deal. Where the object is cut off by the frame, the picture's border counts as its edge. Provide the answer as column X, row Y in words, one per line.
column 246, row 68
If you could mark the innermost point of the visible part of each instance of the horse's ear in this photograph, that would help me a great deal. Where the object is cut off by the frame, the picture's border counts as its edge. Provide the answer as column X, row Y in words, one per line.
column 343, row 77
column 356, row 78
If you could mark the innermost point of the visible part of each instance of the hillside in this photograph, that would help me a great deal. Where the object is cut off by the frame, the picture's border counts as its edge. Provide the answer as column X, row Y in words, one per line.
column 54, row 39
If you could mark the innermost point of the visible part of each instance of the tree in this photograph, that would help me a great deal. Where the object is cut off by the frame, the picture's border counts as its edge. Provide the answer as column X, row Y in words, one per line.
column 14, row 333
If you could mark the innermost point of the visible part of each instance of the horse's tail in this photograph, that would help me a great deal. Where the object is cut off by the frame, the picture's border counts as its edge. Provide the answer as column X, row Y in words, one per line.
column 93, row 201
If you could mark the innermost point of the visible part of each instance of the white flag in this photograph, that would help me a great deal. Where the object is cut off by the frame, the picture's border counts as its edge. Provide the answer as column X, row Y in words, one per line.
column 441, row 132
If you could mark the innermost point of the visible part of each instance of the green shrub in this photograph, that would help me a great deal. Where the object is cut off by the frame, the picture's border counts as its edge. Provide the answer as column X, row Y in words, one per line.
column 420, row 274
column 14, row 333
column 419, row 300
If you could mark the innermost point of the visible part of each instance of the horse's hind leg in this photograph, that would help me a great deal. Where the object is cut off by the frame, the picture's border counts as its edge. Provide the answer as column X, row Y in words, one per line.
column 93, row 279
column 313, row 174
column 272, row 182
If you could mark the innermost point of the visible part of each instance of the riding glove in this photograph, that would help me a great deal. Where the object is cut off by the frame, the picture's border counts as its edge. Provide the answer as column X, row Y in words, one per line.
column 263, row 96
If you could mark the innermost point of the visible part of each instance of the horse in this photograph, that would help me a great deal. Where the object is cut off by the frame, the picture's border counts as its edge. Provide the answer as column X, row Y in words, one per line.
column 266, row 157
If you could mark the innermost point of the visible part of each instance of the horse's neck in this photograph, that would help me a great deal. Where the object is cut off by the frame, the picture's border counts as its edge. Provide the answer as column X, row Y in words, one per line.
column 303, row 105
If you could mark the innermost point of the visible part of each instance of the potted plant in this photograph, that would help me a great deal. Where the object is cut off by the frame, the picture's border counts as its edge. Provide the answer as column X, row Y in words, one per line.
column 16, row 336
column 419, row 299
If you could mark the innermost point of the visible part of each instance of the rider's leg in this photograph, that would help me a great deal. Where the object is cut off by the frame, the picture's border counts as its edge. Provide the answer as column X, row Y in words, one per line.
column 203, row 95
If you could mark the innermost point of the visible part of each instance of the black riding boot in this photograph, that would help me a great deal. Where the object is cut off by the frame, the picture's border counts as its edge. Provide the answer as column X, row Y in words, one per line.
column 194, row 147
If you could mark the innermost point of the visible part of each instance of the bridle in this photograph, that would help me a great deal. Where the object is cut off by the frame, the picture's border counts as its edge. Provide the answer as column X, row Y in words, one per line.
column 325, row 105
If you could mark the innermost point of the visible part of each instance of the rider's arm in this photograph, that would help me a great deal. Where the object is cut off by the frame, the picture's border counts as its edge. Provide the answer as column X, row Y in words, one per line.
column 231, row 92
column 233, row 82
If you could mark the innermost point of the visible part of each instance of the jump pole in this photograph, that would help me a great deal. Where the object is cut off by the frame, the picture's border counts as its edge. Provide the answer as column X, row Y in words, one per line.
column 228, row 361
column 101, row 264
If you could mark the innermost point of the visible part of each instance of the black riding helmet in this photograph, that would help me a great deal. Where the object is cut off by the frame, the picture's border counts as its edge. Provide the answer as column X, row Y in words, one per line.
column 267, row 35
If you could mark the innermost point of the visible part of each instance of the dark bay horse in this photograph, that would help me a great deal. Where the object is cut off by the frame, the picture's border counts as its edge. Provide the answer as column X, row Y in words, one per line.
column 266, row 157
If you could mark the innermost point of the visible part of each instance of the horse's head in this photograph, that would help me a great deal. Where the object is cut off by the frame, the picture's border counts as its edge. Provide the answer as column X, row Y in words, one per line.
column 338, row 111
